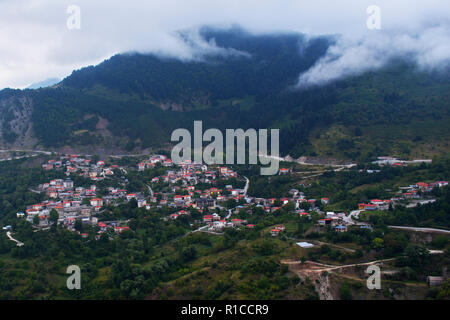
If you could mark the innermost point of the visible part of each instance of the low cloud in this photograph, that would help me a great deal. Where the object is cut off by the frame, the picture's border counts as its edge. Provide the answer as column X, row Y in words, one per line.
column 196, row 47
column 428, row 48
column 35, row 43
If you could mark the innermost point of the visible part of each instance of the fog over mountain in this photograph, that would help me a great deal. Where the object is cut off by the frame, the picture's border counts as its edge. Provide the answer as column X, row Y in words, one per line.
column 429, row 49
column 36, row 43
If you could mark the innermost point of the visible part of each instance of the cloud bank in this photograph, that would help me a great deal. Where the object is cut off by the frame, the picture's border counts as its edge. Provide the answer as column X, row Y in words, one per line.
column 429, row 50
column 35, row 43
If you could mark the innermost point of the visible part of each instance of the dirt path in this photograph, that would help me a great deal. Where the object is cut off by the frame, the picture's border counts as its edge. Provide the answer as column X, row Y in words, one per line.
column 318, row 273
column 336, row 246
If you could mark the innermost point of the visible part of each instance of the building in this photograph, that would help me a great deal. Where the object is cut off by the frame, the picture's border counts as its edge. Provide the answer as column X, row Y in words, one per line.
column 275, row 232
column 435, row 281
column 203, row 203
column 96, row 202
column 305, row 245
column 340, row 228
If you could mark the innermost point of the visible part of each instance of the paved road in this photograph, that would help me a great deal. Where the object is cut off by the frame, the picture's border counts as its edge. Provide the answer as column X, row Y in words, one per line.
column 150, row 190
column 19, row 244
column 302, row 162
column 247, row 184
column 435, row 251
column 349, row 219
column 430, row 230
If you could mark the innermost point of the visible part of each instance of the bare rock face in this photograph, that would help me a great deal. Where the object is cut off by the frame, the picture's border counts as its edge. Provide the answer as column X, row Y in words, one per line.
column 16, row 129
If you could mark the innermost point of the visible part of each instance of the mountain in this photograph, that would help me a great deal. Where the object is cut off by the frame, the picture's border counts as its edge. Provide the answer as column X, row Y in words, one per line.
column 134, row 101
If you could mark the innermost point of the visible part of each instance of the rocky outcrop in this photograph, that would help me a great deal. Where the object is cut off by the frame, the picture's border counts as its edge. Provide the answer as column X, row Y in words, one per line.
column 16, row 128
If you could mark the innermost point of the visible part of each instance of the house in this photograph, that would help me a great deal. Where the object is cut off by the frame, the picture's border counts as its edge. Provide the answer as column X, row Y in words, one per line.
column 340, row 228
column 131, row 196
column 68, row 184
column 442, row 183
column 142, row 203
column 178, row 198
column 223, row 170
column 205, row 203
column 102, row 226
column 234, row 192
column 237, row 222
column 303, row 214
column 275, row 232
column 435, row 281
column 377, row 202
column 324, row 222
column 370, row 207
column 121, row 229
column 96, row 202
column 325, row 201
column 305, row 245
column 207, row 218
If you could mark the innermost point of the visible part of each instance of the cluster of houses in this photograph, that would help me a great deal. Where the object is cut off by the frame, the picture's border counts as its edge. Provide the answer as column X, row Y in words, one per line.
column 412, row 192
column 180, row 188
column 153, row 160
column 75, row 164
column 66, row 200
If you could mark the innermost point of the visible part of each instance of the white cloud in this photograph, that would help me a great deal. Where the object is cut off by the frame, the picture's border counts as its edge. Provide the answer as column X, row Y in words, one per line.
column 35, row 43
column 429, row 49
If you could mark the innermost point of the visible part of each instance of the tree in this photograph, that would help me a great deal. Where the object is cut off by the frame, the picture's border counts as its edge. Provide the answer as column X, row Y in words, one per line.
column 377, row 243
column 54, row 216
column 188, row 253
column 416, row 255
column 345, row 292
column 36, row 220
column 439, row 242
column 444, row 291
column 230, row 203
column 78, row 225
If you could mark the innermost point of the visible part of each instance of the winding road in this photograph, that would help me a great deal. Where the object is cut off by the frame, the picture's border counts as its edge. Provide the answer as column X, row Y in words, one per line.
column 19, row 244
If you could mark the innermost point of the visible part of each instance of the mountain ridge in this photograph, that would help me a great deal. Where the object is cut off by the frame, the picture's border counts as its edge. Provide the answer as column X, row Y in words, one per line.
column 143, row 98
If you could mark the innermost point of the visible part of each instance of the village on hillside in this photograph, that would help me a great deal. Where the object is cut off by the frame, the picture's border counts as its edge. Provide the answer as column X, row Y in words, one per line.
column 181, row 188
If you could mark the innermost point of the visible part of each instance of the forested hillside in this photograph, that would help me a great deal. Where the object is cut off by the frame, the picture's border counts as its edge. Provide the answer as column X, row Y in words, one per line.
column 134, row 101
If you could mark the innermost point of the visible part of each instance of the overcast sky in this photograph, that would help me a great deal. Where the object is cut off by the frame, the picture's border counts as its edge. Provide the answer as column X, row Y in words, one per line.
column 35, row 43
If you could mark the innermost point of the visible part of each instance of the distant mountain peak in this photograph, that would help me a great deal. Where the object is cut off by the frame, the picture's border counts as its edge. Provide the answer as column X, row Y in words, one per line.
column 44, row 84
